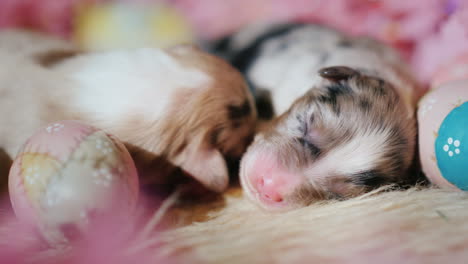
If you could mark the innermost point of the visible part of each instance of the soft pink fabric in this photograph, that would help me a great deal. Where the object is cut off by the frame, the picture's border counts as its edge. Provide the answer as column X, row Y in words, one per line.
column 442, row 46
column 454, row 70
column 106, row 241
column 429, row 33
column 46, row 15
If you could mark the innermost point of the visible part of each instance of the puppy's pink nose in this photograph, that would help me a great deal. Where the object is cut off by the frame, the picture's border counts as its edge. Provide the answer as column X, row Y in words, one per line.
column 268, row 181
column 268, row 189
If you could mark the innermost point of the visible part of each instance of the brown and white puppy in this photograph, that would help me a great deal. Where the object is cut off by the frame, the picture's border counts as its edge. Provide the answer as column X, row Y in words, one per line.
column 345, row 111
column 179, row 104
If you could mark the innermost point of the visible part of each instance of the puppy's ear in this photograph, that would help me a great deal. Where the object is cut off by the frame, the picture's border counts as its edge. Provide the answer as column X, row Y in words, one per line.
column 337, row 73
column 206, row 165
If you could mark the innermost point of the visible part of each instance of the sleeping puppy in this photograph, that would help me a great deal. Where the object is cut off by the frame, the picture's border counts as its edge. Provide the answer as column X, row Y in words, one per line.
column 182, row 105
column 345, row 114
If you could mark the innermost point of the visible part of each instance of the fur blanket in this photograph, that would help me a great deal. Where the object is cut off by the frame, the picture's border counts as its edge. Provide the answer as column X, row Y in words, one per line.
column 419, row 225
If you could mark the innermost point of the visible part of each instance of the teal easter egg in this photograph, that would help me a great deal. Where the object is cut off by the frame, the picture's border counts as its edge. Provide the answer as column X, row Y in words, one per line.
column 451, row 147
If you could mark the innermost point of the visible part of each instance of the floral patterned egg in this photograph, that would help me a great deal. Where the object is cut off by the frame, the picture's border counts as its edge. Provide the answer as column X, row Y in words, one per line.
column 66, row 173
column 451, row 147
column 443, row 135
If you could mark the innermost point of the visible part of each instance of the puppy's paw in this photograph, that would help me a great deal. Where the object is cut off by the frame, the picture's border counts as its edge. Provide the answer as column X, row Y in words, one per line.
column 209, row 168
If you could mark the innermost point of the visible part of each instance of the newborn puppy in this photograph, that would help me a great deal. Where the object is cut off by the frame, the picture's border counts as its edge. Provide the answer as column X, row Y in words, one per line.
column 181, row 104
column 345, row 114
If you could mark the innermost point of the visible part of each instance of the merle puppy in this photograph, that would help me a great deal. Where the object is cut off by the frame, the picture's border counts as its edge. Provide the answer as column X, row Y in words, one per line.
column 344, row 113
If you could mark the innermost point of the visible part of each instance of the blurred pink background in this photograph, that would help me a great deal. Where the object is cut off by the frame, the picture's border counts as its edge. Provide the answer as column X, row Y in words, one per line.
column 429, row 33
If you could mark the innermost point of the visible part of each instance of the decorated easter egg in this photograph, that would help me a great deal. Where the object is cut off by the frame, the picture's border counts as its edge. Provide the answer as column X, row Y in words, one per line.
column 66, row 174
column 443, row 135
column 451, row 147
column 130, row 25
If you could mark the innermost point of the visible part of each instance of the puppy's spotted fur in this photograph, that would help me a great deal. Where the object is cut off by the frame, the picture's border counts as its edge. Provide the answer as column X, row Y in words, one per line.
column 345, row 113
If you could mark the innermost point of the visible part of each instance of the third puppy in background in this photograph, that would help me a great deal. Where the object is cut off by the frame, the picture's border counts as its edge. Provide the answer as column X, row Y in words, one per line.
column 345, row 114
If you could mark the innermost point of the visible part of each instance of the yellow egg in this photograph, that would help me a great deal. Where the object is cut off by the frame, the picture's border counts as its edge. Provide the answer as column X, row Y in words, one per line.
column 129, row 25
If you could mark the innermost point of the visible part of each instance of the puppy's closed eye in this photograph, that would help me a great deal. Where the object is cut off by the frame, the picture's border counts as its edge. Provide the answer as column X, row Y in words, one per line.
column 237, row 112
column 313, row 149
